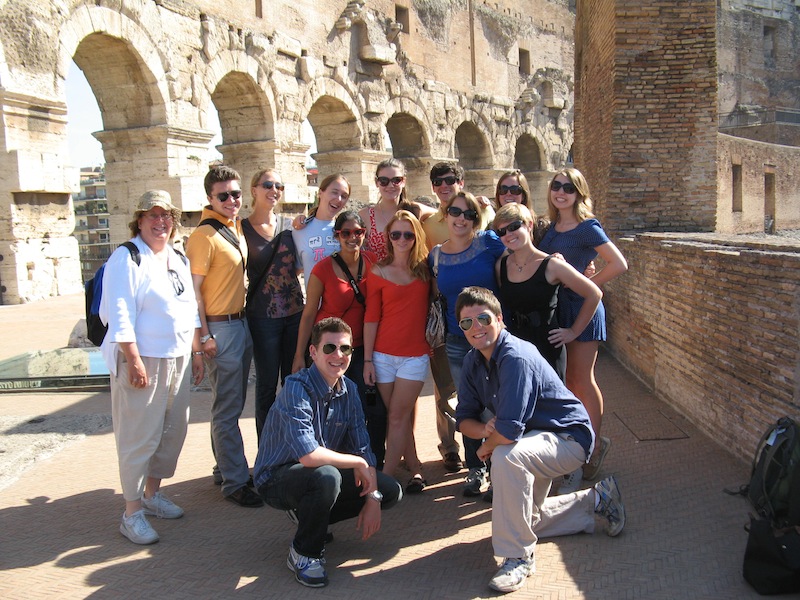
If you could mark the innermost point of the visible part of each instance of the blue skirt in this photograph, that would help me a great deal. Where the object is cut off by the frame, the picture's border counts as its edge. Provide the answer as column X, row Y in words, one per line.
column 569, row 305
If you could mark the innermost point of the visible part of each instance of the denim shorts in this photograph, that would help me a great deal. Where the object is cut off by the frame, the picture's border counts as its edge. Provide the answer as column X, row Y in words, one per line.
column 389, row 367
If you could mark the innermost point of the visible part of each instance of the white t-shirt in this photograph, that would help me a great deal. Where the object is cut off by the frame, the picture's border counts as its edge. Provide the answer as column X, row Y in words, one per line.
column 313, row 243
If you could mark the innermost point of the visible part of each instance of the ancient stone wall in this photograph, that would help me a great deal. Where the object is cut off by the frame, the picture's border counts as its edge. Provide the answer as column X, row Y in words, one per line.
column 711, row 324
column 489, row 83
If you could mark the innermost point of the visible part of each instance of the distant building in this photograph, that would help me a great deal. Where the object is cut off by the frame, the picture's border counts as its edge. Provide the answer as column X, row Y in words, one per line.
column 91, row 221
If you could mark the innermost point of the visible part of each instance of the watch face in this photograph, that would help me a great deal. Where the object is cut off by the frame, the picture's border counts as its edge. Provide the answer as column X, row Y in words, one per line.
column 377, row 495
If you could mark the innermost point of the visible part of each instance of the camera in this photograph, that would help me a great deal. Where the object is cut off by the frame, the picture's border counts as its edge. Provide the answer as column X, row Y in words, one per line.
column 371, row 396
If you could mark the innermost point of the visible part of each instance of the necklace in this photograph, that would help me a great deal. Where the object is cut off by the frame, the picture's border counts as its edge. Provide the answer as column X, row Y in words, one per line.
column 520, row 266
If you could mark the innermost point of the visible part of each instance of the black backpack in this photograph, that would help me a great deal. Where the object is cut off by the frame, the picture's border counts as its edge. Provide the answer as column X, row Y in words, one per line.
column 93, row 289
column 772, row 556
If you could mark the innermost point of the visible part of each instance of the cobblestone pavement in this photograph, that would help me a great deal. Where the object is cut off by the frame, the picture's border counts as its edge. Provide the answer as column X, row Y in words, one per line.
column 684, row 537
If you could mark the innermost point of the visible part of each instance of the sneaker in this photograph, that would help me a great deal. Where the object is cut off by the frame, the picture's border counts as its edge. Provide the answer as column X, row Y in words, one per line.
column 570, row 482
column 308, row 571
column 475, row 482
column 610, row 506
column 246, row 497
column 512, row 574
column 489, row 495
column 591, row 468
column 162, row 507
column 138, row 529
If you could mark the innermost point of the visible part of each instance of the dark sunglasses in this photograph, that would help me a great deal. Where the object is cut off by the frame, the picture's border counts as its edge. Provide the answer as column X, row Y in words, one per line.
column 177, row 284
column 469, row 214
column 466, row 323
column 384, row 181
column 514, row 190
column 346, row 233
column 569, row 188
column 268, row 185
column 513, row 226
column 396, row 235
column 440, row 180
column 235, row 194
column 345, row 349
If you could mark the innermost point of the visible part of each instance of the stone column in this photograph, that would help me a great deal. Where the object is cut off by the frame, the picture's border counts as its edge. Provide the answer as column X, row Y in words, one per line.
column 38, row 255
column 158, row 157
column 358, row 166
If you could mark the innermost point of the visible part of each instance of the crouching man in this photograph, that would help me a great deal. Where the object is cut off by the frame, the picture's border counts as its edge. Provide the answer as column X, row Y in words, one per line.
column 539, row 431
column 314, row 458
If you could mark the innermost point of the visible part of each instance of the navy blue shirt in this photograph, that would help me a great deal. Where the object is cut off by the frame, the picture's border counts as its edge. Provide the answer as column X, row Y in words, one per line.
column 308, row 414
column 523, row 391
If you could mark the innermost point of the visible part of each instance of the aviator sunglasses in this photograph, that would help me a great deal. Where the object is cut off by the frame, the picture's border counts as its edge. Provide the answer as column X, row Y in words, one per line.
column 384, row 181
column 235, row 194
column 466, row 323
column 345, row 349
column 469, row 214
column 569, row 188
column 450, row 180
column 346, row 233
column 396, row 235
column 514, row 190
column 513, row 226
column 268, row 185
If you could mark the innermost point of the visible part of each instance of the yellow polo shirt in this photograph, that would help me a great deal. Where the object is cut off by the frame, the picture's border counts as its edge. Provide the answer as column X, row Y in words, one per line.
column 222, row 265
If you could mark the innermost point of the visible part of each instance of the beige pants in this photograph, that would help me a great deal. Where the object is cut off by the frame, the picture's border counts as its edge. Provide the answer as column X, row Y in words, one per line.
column 522, row 474
column 149, row 424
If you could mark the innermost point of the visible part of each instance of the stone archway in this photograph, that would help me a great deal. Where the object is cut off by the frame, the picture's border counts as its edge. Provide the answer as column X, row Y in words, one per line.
column 411, row 144
column 529, row 158
column 474, row 153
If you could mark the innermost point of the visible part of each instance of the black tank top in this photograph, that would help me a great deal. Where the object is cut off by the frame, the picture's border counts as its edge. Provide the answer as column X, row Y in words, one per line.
column 530, row 308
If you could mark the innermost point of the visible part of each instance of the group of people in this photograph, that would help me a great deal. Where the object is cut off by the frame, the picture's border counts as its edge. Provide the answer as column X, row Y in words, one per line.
column 515, row 374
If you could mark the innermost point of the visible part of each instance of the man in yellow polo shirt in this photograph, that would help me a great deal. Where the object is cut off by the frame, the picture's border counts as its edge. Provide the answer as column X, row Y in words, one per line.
column 218, row 255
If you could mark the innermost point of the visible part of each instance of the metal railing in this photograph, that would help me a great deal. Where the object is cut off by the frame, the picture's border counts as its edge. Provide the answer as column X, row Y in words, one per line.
column 755, row 117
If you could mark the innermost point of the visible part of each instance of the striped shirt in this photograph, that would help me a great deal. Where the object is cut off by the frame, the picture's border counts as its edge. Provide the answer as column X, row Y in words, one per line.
column 308, row 414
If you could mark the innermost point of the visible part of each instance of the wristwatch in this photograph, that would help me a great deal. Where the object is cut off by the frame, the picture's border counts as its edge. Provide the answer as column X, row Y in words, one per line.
column 206, row 337
column 375, row 495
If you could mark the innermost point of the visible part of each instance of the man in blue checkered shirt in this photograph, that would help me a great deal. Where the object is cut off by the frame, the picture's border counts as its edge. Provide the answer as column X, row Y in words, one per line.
column 314, row 458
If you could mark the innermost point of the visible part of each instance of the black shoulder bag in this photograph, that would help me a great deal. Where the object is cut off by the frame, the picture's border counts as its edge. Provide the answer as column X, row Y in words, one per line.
column 225, row 232
column 340, row 261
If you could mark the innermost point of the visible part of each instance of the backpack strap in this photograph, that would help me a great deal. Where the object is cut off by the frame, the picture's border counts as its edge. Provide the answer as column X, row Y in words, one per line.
column 225, row 232
column 134, row 250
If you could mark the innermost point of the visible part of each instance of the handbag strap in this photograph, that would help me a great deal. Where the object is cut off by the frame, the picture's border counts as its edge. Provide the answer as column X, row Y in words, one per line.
column 251, row 290
column 225, row 232
column 340, row 261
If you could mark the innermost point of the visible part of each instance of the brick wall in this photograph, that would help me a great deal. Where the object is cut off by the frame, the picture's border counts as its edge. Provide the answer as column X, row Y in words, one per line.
column 712, row 325
column 660, row 81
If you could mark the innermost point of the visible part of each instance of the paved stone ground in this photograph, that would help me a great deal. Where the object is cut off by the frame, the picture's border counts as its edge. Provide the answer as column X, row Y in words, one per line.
column 59, row 535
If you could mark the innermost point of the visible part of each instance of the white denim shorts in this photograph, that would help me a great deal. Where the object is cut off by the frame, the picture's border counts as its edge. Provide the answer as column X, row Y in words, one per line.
column 389, row 367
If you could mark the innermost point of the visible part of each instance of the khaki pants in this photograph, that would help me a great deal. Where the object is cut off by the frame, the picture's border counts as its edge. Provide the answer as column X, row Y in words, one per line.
column 149, row 424
column 522, row 474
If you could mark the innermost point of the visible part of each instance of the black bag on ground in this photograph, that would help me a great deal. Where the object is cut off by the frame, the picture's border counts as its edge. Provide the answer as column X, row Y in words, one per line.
column 772, row 558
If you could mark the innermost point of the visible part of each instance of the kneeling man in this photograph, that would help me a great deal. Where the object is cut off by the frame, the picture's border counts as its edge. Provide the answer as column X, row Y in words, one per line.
column 314, row 458
column 539, row 431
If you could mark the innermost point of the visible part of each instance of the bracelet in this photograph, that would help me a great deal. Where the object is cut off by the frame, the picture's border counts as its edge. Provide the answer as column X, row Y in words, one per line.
column 198, row 353
column 365, row 360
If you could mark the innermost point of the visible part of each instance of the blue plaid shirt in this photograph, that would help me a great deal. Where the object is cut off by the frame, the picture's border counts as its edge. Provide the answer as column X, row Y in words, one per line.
column 308, row 414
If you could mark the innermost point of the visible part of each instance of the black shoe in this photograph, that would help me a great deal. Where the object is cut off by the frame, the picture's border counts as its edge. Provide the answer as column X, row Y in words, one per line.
column 488, row 496
column 452, row 462
column 246, row 497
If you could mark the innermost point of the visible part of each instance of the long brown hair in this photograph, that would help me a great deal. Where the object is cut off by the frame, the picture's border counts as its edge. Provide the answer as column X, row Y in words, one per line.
column 417, row 260
column 582, row 209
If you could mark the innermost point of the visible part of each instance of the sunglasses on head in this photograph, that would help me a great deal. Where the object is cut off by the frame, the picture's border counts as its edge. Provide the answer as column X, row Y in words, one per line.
column 450, row 180
column 346, row 233
column 466, row 323
column 514, row 190
column 384, row 181
column 345, row 349
column 235, row 194
column 469, row 214
column 396, row 235
column 268, row 185
column 513, row 226
column 569, row 188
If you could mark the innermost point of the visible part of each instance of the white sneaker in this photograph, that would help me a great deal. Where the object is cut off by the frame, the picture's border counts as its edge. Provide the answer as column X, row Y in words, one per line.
column 512, row 574
column 162, row 507
column 138, row 529
column 571, row 482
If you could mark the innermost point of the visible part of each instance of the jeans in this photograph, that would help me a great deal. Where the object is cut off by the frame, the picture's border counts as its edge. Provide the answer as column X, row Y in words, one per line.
column 321, row 496
column 374, row 414
column 457, row 347
column 274, row 343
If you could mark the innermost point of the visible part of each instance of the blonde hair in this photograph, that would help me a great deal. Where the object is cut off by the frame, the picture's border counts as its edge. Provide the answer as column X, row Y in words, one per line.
column 417, row 260
column 513, row 212
column 582, row 209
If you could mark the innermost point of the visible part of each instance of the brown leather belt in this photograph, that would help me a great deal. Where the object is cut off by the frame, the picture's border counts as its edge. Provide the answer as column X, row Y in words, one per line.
column 219, row 318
